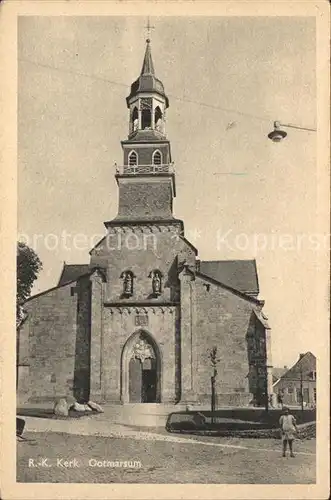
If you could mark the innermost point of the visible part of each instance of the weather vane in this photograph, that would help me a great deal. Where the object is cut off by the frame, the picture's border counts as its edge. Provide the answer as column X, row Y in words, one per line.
column 149, row 29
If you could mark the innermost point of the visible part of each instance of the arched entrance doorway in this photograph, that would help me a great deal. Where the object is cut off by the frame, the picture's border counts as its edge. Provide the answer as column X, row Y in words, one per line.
column 141, row 370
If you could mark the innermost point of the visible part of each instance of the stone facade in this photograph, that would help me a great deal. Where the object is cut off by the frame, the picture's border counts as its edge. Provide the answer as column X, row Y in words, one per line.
column 136, row 324
column 145, row 199
column 50, row 330
column 227, row 323
column 144, row 153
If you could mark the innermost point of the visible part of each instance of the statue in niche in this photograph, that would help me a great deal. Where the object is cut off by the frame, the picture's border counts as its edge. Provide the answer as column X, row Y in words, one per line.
column 127, row 283
column 135, row 124
column 156, row 283
column 143, row 350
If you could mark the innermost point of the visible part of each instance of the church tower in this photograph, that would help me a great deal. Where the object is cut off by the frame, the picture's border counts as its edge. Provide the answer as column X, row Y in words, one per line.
column 141, row 255
column 146, row 180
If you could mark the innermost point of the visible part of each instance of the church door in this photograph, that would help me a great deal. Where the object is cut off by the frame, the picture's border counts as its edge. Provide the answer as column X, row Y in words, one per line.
column 135, row 380
column 149, row 381
column 142, row 373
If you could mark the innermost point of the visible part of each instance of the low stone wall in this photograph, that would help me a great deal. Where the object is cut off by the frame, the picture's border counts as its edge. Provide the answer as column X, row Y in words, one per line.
column 260, row 414
column 305, row 431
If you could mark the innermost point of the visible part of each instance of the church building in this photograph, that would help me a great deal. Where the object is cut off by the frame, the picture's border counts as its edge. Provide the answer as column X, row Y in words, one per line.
column 137, row 323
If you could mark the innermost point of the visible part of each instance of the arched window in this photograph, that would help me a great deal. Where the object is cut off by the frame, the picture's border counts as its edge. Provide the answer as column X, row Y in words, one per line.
column 127, row 277
column 158, row 119
column 146, row 105
column 146, row 118
column 157, row 158
column 133, row 158
column 134, row 119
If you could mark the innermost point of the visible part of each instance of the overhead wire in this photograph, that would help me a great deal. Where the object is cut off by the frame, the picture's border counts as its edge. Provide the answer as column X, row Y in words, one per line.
column 182, row 99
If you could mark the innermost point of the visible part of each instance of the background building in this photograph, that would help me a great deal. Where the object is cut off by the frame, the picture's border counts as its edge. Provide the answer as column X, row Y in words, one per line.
column 300, row 379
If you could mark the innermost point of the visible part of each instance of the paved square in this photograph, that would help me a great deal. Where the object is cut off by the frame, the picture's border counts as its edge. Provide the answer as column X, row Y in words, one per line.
column 83, row 459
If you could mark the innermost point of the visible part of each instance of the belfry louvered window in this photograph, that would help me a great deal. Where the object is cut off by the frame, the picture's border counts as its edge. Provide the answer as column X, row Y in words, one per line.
column 133, row 158
column 157, row 158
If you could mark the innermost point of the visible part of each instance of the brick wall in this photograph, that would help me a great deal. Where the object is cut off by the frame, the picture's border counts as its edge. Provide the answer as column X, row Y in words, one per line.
column 145, row 154
column 142, row 252
column 145, row 199
column 96, row 343
column 23, row 363
column 22, row 344
column 58, row 347
column 23, row 383
column 81, row 382
column 223, row 320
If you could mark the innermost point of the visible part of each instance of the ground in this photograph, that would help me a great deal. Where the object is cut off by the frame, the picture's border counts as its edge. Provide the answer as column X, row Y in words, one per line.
column 168, row 459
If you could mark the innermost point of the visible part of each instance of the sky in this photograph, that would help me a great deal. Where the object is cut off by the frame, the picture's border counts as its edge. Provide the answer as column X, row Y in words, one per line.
column 241, row 196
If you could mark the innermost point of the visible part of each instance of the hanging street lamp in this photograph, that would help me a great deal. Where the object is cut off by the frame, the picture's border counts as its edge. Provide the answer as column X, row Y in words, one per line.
column 278, row 134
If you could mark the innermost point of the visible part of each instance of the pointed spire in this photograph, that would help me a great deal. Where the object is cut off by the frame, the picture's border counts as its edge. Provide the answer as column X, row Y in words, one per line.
column 147, row 81
column 148, row 66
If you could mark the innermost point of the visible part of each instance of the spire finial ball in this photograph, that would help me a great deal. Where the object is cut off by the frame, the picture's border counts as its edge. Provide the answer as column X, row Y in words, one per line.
column 147, row 40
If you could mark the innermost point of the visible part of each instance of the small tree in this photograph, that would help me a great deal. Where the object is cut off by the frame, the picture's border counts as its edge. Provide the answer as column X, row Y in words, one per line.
column 28, row 266
column 214, row 360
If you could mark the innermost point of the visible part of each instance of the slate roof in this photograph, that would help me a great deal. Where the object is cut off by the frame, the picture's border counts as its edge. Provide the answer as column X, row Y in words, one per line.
column 306, row 361
column 146, row 135
column 277, row 373
column 238, row 274
column 304, row 367
column 148, row 66
column 71, row 272
column 147, row 81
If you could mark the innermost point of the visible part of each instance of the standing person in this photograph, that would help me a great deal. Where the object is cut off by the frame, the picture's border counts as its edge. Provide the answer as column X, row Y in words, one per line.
column 288, row 427
column 280, row 400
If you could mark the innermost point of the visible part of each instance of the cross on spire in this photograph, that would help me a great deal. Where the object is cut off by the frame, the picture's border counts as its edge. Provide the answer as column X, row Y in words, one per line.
column 149, row 29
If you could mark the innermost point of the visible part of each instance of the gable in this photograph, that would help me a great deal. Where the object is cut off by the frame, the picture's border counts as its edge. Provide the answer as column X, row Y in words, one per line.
column 49, row 294
column 238, row 274
column 303, row 367
column 278, row 373
column 246, row 297
column 72, row 272
column 70, row 275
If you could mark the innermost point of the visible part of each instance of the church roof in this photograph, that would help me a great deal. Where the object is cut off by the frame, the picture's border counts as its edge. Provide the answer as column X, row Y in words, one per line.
column 147, row 81
column 71, row 272
column 238, row 274
column 148, row 66
column 146, row 135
